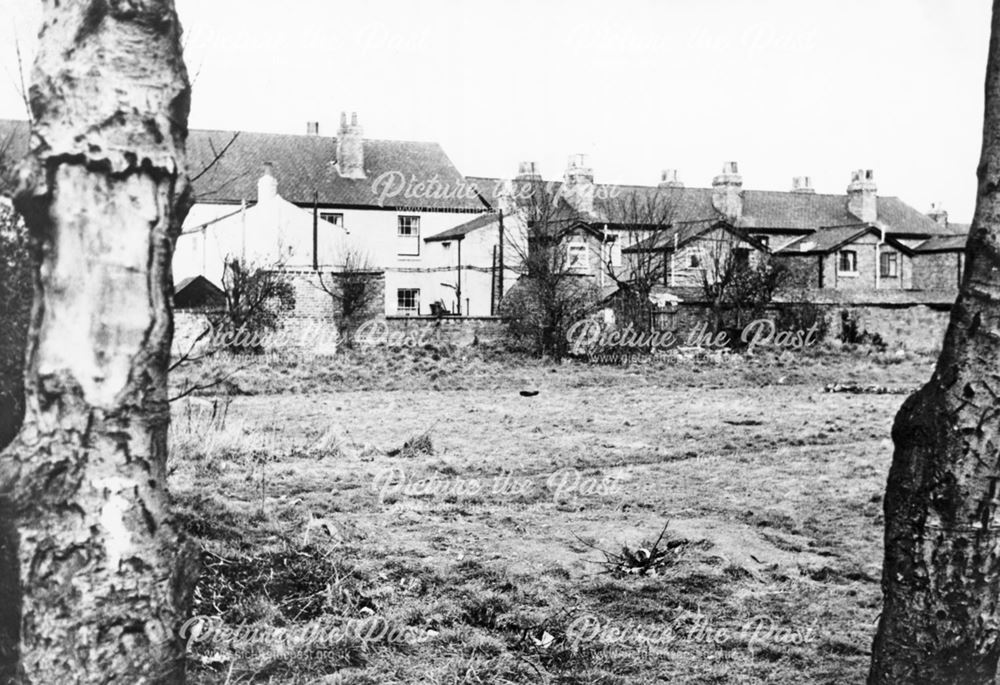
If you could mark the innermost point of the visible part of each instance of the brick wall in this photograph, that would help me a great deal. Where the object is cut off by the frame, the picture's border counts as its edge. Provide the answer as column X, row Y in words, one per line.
column 459, row 331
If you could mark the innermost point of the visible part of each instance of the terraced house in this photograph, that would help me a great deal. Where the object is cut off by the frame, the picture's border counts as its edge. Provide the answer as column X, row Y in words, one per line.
column 303, row 203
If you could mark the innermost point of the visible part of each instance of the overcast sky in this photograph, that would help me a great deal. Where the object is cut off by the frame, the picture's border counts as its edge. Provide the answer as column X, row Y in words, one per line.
column 784, row 87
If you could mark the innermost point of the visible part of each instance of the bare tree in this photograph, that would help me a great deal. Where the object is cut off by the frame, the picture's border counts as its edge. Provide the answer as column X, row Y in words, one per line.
column 556, row 287
column 97, row 578
column 255, row 297
column 353, row 291
column 737, row 279
column 940, row 622
column 644, row 222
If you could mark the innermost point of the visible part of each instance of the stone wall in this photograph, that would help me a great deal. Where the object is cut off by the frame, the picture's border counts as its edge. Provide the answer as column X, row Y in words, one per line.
column 940, row 270
column 911, row 326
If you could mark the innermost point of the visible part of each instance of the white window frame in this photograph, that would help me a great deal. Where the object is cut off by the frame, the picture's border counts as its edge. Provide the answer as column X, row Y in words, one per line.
column 409, row 242
column 407, row 311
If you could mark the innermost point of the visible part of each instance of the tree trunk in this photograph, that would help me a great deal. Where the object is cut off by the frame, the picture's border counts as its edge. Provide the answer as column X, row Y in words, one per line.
column 99, row 577
column 941, row 577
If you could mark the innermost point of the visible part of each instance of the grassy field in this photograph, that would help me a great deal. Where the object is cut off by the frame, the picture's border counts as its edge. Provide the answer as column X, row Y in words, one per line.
column 412, row 517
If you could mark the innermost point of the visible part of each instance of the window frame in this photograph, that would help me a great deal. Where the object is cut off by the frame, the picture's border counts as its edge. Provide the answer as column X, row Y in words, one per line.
column 324, row 216
column 414, row 226
column 580, row 246
column 885, row 261
column 841, row 254
column 408, row 311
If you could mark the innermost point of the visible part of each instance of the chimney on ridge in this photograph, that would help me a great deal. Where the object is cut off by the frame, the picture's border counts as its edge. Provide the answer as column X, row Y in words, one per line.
column 862, row 200
column 669, row 178
column 267, row 185
column 350, row 148
column 312, row 128
column 803, row 184
column 727, row 192
column 939, row 214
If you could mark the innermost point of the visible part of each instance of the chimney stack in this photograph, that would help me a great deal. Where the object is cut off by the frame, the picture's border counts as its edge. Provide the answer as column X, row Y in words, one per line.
column 578, row 188
column 267, row 185
column 862, row 200
column 350, row 148
column 727, row 192
column 669, row 178
column 803, row 184
column 577, row 171
column 528, row 171
column 939, row 214
column 312, row 128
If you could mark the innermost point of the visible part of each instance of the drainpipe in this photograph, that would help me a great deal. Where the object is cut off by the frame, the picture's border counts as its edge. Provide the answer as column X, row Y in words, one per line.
column 878, row 262
column 458, row 287
column 673, row 258
column 243, row 224
column 315, row 230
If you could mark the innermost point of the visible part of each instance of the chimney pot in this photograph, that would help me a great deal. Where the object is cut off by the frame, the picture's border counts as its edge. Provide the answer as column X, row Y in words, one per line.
column 802, row 184
column 528, row 170
column 312, row 128
column 670, row 178
column 577, row 170
column 938, row 214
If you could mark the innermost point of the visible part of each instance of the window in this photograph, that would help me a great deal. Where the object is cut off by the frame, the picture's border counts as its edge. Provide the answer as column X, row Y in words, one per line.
column 847, row 262
column 888, row 265
column 741, row 257
column 408, row 301
column 408, row 232
column 695, row 262
column 576, row 256
column 335, row 218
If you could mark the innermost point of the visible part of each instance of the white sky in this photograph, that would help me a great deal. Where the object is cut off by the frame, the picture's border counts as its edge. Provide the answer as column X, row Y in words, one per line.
column 784, row 87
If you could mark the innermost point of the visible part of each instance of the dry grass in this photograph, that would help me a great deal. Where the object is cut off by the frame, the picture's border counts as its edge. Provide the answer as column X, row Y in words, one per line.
column 478, row 554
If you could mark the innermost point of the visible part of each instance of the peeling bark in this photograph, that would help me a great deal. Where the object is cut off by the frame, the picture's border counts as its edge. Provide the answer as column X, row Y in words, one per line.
column 941, row 576
column 103, row 576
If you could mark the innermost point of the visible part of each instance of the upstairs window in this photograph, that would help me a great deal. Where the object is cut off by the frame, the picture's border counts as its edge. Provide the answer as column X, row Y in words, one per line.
column 576, row 256
column 694, row 262
column 408, row 235
column 408, row 301
column 335, row 218
column 847, row 262
column 888, row 265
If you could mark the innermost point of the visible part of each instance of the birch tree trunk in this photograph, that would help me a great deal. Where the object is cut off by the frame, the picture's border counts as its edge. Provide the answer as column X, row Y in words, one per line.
column 101, row 576
column 941, row 576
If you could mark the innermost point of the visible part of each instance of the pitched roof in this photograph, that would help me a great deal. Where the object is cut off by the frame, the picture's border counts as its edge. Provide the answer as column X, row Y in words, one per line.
column 943, row 243
column 827, row 240
column 460, row 231
column 305, row 168
column 682, row 233
column 762, row 209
